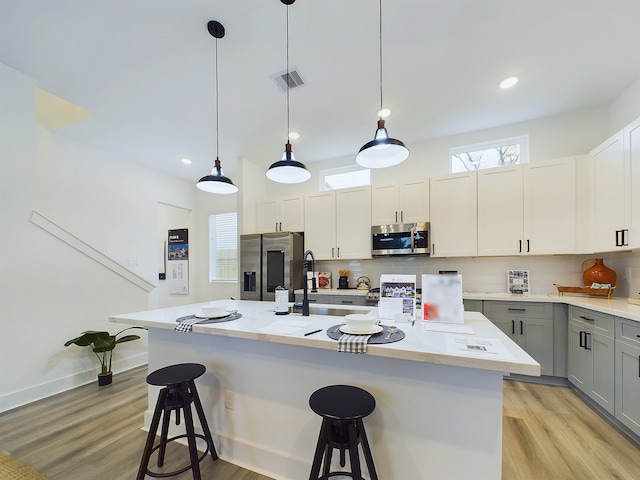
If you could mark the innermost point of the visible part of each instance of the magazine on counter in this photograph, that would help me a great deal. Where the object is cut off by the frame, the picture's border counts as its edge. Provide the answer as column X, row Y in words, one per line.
column 397, row 297
column 518, row 282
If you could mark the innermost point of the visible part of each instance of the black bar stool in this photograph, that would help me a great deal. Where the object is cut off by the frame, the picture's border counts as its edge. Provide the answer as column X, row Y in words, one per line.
column 178, row 394
column 342, row 408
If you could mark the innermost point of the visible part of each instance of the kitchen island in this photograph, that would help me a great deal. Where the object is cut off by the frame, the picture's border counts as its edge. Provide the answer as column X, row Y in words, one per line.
column 438, row 411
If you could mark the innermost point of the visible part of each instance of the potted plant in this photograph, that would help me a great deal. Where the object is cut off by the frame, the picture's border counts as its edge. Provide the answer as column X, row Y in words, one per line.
column 102, row 343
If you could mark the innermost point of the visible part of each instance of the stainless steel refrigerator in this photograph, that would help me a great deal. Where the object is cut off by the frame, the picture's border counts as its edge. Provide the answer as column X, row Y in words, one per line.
column 269, row 260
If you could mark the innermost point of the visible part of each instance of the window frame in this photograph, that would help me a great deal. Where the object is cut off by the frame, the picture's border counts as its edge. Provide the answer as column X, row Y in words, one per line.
column 322, row 184
column 522, row 140
column 212, row 245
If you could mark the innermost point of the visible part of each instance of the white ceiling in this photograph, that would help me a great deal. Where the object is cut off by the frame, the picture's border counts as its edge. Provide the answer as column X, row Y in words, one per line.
column 145, row 68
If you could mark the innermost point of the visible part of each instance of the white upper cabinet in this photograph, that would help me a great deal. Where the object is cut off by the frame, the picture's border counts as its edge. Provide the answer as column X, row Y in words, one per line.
column 611, row 195
column 320, row 224
column 453, row 216
column 500, row 211
column 527, row 209
column 338, row 224
column 400, row 202
column 285, row 214
column 550, row 207
column 632, row 147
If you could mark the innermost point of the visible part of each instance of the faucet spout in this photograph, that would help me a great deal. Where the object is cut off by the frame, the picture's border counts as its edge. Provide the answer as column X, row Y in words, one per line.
column 305, row 296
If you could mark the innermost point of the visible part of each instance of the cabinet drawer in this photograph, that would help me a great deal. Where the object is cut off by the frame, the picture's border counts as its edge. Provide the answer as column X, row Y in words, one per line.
column 518, row 309
column 601, row 322
column 348, row 299
column 628, row 331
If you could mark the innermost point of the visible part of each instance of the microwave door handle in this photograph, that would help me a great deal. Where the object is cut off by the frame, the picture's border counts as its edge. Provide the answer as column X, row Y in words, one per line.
column 413, row 240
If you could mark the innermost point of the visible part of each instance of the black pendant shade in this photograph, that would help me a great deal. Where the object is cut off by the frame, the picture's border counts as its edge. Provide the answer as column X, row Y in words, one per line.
column 216, row 182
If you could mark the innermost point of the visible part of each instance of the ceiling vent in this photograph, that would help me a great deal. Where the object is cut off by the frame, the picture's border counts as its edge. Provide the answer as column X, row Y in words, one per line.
column 292, row 78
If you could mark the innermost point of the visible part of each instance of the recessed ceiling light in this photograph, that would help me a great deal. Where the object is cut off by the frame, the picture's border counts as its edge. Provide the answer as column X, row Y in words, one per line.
column 508, row 82
column 384, row 113
column 186, row 161
column 294, row 135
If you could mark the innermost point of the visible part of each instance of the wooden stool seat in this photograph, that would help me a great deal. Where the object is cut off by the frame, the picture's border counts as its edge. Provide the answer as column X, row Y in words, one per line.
column 178, row 394
column 342, row 408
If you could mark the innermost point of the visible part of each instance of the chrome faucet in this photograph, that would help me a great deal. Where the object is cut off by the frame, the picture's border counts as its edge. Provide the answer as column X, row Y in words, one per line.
column 305, row 296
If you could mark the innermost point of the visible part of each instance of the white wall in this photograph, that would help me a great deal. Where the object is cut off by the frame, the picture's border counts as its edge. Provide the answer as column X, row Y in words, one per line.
column 626, row 107
column 51, row 292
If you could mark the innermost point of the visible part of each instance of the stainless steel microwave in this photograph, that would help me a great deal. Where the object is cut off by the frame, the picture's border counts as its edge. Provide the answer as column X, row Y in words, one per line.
column 400, row 239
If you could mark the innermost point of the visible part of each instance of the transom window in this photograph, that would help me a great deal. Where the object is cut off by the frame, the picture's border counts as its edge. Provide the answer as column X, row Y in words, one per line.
column 496, row 153
column 344, row 177
column 223, row 247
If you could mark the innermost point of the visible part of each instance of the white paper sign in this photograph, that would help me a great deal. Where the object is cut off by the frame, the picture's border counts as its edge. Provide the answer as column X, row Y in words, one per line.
column 397, row 297
column 442, row 298
column 477, row 347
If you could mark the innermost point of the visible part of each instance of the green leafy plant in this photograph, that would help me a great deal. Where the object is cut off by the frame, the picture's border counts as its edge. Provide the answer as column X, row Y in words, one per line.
column 102, row 344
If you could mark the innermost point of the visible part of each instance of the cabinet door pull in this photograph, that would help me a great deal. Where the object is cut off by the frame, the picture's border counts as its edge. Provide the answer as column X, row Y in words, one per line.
column 587, row 341
column 313, row 300
column 513, row 327
column 587, row 318
column 401, row 216
column 625, row 241
column 338, row 252
column 280, row 226
column 520, row 246
column 517, row 309
column 332, row 252
column 347, row 301
column 581, row 339
column 528, row 249
column 617, row 238
column 396, row 216
column 521, row 327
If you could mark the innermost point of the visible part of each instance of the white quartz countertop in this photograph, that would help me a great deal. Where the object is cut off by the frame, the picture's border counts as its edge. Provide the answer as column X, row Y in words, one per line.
column 259, row 322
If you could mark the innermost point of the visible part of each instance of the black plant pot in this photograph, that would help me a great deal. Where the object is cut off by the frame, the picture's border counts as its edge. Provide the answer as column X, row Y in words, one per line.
column 105, row 379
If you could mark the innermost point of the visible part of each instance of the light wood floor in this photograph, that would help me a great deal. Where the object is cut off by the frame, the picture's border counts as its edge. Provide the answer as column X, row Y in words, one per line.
column 94, row 433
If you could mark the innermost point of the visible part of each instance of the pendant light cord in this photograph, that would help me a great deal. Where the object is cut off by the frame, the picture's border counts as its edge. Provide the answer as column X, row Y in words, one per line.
column 380, row 46
column 287, row 75
column 217, row 105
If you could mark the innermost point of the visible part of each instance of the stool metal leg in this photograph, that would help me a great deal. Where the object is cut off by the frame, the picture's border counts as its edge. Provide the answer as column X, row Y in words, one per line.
column 148, row 447
column 203, row 420
column 191, row 437
column 354, row 457
column 328, row 454
column 166, row 418
column 323, row 439
column 367, row 451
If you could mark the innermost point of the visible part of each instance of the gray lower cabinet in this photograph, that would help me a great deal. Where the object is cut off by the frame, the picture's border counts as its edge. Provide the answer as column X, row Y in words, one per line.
column 529, row 324
column 627, row 373
column 472, row 305
column 591, row 361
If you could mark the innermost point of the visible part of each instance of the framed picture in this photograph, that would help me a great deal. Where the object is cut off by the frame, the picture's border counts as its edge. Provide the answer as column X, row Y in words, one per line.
column 518, row 282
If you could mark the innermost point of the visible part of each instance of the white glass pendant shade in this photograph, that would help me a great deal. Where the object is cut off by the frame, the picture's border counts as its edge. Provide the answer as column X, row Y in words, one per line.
column 288, row 170
column 216, row 182
column 382, row 151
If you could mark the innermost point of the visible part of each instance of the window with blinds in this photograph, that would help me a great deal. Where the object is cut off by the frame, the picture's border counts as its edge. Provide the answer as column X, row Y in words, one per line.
column 223, row 247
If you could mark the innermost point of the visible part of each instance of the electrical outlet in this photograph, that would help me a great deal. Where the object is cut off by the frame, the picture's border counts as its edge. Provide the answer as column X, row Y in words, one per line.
column 229, row 399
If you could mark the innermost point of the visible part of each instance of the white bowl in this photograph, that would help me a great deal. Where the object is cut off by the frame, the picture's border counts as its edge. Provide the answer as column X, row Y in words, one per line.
column 360, row 322
column 214, row 311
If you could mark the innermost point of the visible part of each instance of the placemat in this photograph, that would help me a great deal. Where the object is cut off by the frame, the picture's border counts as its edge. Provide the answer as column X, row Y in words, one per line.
column 188, row 321
column 334, row 333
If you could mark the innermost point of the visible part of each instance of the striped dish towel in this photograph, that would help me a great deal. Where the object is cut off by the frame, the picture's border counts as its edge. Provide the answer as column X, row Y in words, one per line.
column 353, row 343
column 187, row 323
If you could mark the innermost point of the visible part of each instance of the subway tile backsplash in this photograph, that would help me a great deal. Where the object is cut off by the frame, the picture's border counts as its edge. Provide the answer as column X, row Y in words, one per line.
column 489, row 274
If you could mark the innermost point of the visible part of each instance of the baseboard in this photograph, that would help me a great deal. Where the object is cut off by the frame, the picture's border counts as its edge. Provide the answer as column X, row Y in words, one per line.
column 46, row 389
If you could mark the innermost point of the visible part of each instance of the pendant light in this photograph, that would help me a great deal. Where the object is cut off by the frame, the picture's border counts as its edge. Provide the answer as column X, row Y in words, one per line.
column 383, row 151
column 288, row 170
column 216, row 182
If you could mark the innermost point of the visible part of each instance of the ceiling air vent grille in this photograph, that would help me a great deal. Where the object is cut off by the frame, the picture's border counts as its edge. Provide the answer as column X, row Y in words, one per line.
column 292, row 78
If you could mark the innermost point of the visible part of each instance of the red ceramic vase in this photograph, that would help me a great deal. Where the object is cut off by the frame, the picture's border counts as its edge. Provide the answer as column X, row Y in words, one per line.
column 598, row 273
